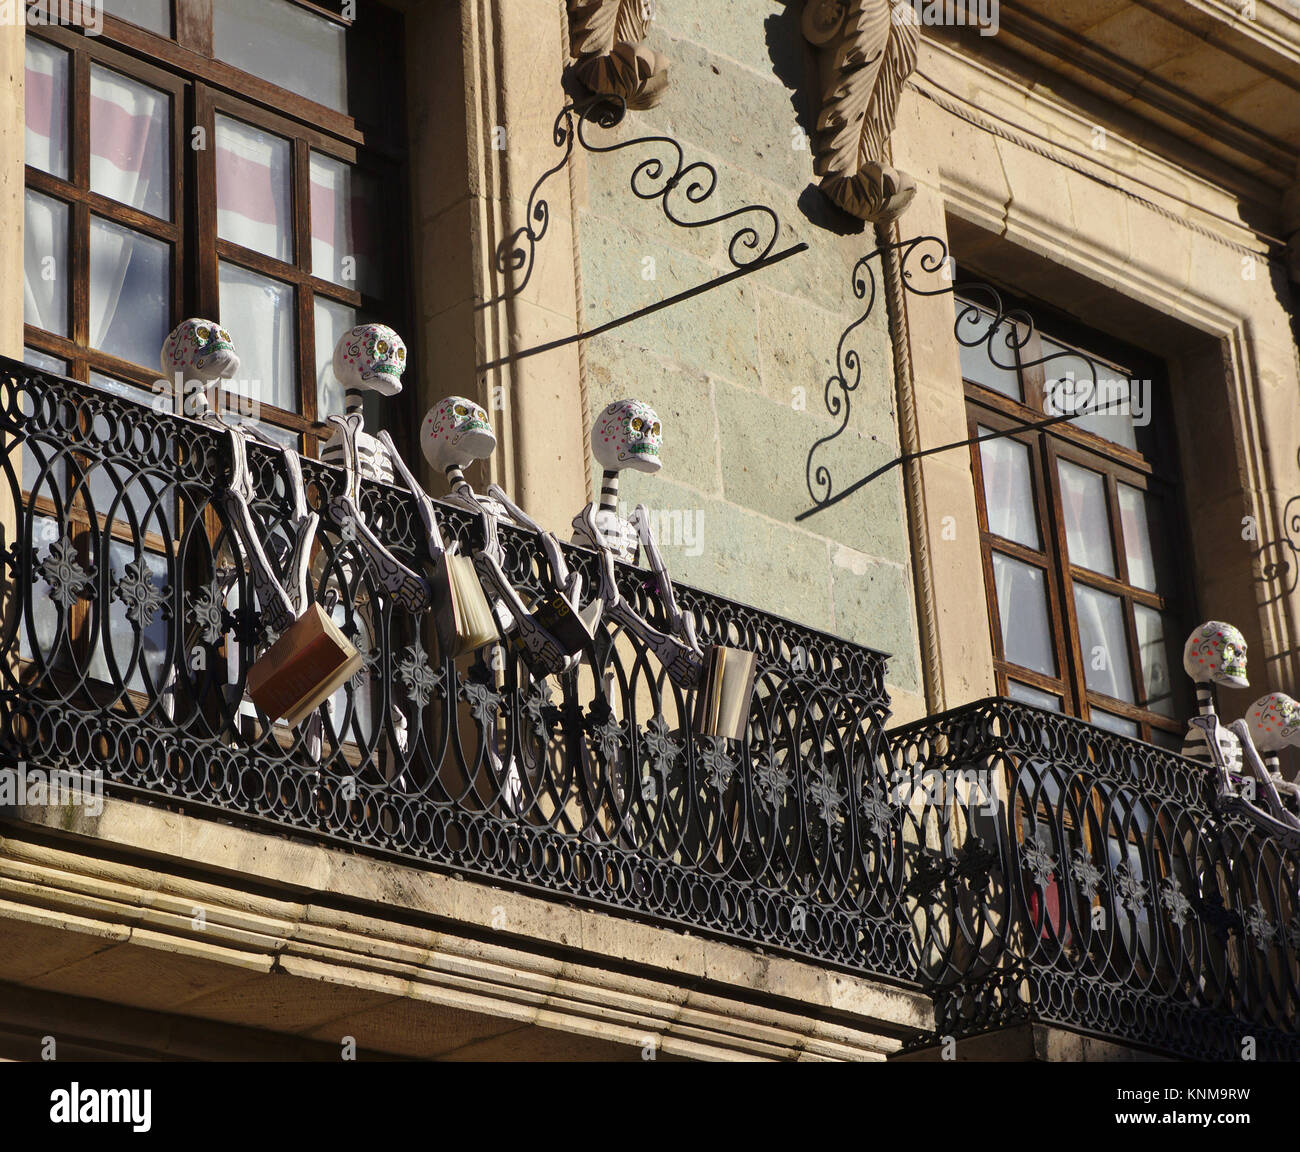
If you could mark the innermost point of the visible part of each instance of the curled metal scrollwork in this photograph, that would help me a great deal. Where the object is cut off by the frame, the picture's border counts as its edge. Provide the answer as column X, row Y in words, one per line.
column 1279, row 559
column 982, row 319
column 657, row 177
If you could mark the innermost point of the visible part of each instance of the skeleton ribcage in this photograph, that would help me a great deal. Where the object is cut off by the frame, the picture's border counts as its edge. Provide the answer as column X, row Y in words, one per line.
column 1195, row 747
column 372, row 458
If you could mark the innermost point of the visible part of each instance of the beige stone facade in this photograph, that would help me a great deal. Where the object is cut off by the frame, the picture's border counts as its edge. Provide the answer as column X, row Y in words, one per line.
column 163, row 934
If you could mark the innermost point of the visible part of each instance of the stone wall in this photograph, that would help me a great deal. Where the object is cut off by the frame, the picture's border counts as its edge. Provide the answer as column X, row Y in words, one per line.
column 738, row 375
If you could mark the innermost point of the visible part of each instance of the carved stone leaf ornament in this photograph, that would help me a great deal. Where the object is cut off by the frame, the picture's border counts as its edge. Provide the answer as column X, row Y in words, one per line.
column 608, row 42
column 866, row 50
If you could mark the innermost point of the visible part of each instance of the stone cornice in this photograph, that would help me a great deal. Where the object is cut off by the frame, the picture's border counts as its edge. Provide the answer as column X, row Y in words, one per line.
column 130, row 881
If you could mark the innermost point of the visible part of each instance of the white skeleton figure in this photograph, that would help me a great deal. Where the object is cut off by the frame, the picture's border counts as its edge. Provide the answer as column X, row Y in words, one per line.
column 1274, row 723
column 627, row 434
column 454, row 434
column 1215, row 653
column 371, row 357
column 198, row 355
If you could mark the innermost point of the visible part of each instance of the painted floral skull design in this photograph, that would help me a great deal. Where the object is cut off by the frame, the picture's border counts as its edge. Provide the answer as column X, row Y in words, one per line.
column 1215, row 653
column 199, row 350
column 628, row 435
column 455, row 432
column 371, row 357
column 1274, row 722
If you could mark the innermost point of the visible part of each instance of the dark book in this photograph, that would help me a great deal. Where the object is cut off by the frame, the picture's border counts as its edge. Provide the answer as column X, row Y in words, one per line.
column 303, row 668
column 570, row 630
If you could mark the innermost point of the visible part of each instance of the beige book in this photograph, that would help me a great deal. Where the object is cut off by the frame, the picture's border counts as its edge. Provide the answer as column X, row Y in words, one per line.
column 726, row 691
column 464, row 617
column 303, row 668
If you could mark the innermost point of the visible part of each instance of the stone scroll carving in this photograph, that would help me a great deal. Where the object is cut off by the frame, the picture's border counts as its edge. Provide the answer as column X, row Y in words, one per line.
column 608, row 43
column 866, row 49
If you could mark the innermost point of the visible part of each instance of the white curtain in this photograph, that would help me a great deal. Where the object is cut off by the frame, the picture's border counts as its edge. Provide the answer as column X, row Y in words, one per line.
column 46, row 103
column 45, row 264
column 130, row 162
column 253, row 189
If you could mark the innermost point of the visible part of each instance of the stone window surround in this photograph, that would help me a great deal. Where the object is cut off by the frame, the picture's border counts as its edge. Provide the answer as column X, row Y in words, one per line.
column 1173, row 288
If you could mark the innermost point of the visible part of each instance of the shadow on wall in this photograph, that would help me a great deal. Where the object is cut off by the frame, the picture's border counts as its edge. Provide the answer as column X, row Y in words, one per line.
column 794, row 65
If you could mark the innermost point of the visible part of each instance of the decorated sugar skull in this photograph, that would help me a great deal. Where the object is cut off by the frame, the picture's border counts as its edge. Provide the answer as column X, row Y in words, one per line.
column 1274, row 722
column 628, row 435
column 1215, row 653
column 371, row 357
column 199, row 350
column 455, row 432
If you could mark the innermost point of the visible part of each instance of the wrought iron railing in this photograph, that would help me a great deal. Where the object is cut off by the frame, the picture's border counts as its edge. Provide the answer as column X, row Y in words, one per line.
column 129, row 623
column 1080, row 878
column 1017, row 863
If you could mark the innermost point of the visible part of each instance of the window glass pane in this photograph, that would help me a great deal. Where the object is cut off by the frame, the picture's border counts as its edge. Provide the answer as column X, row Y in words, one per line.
column 122, row 388
column 1113, row 723
column 1009, row 490
column 45, row 264
column 345, row 220
column 130, row 142
column 1135, row 518
column 254, row 181
column 1022, row 606
column 130, row 278
column 290, row 46
column 332, row 321
column 44, row 361
column 1102, row 643
column 120, row 632
column 1073, row 385
column 44, row 609
column 977, row 365
column 1169, row 741
column 1153, row 639
column 1027, row 694
column 155, row 15
column 259, row 315
column 47, row 107
column 1087, row 524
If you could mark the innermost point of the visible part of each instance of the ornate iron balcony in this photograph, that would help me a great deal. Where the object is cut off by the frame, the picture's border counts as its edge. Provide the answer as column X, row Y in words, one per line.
column 1017, row 863
column 1080, row 878
column 130, row 621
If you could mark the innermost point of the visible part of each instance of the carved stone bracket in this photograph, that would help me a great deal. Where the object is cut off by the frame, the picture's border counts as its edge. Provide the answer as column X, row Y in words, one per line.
column 866, row 49
column 608, row 43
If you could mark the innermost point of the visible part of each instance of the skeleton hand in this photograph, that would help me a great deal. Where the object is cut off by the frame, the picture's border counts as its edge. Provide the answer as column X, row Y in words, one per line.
column 569, row 584
column 681, row 624
column 428, row 516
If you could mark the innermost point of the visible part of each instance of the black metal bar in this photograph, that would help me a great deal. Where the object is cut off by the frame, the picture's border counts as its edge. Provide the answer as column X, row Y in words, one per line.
column 659, row 305
column 1021, row 426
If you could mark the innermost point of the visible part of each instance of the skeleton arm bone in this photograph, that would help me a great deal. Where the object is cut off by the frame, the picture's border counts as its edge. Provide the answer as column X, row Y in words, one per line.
column 562, row 580
column 397, row 579
column 428, row 516
column 682, row 624
column 1251, row 758
column 304, row 522
column 275, row 602
column 683, row 662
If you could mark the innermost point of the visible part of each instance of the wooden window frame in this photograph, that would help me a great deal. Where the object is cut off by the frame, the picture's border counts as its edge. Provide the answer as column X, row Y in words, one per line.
column 199, row 87
column 1117, row 464
column 75, row 349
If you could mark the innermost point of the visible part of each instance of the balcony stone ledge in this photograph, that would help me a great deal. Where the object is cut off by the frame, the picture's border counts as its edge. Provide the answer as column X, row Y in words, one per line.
column 154, row 910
